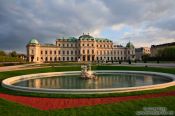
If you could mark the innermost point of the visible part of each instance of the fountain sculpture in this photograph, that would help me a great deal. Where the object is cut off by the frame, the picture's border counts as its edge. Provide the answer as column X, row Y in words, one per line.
column 86, row 72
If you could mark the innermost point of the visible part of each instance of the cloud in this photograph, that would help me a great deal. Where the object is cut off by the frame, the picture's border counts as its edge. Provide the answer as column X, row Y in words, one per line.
column 151, row 22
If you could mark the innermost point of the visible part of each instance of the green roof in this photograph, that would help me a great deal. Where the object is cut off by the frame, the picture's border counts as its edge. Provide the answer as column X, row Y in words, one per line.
column 33, row 41
column 129, row 45
column 49, row 44
column 86, row 37
column 102, row 40
column 71, row 39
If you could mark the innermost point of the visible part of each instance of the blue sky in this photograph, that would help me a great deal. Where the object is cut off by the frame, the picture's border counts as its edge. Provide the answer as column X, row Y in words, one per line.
column 143, row 22
column 116, row 35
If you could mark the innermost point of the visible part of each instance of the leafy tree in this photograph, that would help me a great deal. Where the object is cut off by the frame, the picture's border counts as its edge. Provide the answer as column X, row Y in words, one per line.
column 2, row 53
column 13, row 54
column 145, row 57
column 167, row 53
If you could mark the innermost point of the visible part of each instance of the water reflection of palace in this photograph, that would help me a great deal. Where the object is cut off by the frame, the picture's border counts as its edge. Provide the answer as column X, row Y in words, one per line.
column 104, row 81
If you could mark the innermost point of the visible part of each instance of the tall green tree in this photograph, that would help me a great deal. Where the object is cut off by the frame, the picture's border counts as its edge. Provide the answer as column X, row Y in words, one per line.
column 13, row 54
column 167, row 53
column 2, row 53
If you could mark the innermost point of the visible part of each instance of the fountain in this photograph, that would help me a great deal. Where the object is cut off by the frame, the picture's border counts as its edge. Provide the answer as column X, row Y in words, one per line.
column 86, row 72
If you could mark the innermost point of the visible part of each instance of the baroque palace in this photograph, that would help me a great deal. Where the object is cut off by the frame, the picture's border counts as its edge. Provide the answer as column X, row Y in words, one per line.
column 84, row 49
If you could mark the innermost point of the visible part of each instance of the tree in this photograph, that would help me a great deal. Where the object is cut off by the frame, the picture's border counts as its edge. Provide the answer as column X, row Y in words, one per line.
column 145, row 57
column 13, row 54
column 167, row 53
column 2, row 53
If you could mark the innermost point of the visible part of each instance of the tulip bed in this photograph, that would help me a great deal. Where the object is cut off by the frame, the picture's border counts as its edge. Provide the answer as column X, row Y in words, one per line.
column 134, row 101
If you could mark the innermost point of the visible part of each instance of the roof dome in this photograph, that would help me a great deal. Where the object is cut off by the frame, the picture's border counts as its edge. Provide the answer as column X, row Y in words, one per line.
column 33, row 41
column 129, row 45
column 86, row 37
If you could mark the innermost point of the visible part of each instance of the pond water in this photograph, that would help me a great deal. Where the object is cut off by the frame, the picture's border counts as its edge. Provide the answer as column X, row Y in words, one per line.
column 119, row 80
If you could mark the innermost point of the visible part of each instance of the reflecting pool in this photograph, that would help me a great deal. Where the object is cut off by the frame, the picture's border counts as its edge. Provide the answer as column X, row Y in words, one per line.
column 118, row 80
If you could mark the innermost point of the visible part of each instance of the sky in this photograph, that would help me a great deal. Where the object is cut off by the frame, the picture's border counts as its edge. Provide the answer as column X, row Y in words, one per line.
column 142, row 22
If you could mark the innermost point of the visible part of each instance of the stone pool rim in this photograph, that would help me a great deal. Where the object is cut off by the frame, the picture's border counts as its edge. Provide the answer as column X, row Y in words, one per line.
column 7, row 83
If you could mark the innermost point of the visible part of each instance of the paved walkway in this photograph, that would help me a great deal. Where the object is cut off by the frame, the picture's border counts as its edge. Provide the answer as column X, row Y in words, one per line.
column 61, row 103
column 33, row 66
column 166, row 65
column 21, row 67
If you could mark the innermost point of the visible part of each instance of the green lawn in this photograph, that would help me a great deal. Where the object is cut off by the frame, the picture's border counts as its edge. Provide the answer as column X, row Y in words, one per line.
column 4, row 75
column 115, row 109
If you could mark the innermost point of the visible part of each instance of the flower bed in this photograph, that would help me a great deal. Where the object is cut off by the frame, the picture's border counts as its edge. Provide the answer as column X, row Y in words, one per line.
column 61, row 103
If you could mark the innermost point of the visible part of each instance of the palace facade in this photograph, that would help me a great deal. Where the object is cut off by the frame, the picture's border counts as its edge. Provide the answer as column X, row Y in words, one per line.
column 84, row 49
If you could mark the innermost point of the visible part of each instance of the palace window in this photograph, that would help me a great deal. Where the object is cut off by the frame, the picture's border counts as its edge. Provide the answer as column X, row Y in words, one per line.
column 55, row 52
column 67, row 52
column 45, row 52
column 83, row 51
column 63, row 52
column 59, row 52
column 32, row 52
column 50, row 52
column 72, row 52
column 41, row 52
column 87, row 51
column 92, row 51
